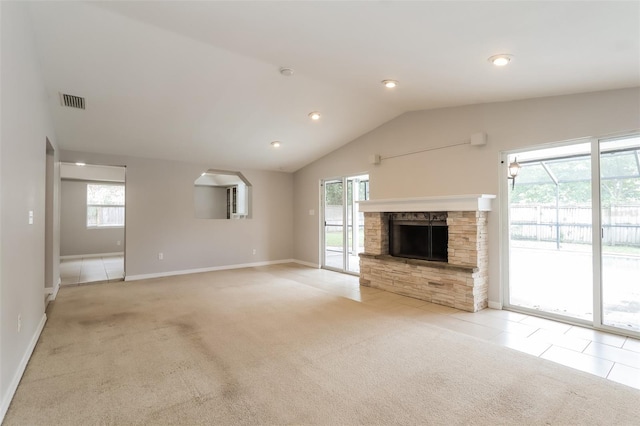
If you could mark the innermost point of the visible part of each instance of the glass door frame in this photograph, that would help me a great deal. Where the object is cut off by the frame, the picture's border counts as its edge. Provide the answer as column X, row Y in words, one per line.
column 596, row 206
column 347, row 210
column 323, row 222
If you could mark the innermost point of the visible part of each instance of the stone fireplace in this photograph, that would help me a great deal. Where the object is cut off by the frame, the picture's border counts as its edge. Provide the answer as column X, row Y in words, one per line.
column 459, row 281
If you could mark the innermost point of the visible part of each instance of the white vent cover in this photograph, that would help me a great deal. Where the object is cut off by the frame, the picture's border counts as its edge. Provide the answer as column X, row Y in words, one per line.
column 72, row 101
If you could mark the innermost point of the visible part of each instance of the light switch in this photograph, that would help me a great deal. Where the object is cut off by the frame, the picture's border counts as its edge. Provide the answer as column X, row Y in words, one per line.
column 312, row 212
column 30, row 217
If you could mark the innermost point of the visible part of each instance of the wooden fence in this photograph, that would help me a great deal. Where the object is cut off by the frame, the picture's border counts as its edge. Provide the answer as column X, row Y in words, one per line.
column 621, row 224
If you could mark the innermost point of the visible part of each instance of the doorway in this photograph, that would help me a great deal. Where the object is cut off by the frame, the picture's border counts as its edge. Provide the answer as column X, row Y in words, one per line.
column 92, row 225
column 573, row 243
column 343, row 233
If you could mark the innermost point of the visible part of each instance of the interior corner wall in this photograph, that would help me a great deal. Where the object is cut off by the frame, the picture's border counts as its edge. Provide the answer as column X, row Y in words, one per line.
column 462, row 169
column 25, row 126
column 160, row 218
column 75, row 238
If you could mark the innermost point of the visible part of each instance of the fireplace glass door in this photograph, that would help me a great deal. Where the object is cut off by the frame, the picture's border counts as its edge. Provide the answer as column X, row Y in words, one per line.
column 343, row 236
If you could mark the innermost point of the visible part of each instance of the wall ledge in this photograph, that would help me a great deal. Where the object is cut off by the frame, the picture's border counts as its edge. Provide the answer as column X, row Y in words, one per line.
column 451, row 203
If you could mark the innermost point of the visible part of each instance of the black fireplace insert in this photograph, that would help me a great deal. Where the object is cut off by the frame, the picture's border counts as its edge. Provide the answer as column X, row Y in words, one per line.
column 419, row 236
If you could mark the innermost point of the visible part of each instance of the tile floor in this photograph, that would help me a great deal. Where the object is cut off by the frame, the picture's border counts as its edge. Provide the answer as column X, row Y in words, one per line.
column 606, row 355
column 91, row 270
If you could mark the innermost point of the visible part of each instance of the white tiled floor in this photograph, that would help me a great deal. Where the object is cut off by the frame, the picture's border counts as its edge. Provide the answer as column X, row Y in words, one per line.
column 606, row 355
column 91, row 270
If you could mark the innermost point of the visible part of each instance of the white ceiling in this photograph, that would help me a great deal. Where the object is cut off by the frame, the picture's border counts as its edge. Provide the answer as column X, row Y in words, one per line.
column 199, row 81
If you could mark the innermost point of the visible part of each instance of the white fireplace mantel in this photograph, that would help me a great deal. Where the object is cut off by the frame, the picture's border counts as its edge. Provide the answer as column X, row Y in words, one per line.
column 449, row 203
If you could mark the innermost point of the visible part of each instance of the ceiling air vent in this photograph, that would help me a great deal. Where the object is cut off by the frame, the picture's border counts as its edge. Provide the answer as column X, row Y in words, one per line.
column 72, row 101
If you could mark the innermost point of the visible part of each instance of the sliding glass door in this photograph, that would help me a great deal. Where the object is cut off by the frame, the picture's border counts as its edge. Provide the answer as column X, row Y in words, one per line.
column 620, row 217
column 333, row 196
column 574, row 233
column 550, row 232
column 343, row 236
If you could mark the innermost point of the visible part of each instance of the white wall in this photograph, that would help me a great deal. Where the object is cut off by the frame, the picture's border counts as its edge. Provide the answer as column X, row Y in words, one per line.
column 75, row 238
column 160, row 217
column 459, row 170
column 25, row 125
column 92, row 172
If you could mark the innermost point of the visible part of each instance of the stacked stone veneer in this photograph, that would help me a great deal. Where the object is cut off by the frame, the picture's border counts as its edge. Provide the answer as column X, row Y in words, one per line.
column 461, row 283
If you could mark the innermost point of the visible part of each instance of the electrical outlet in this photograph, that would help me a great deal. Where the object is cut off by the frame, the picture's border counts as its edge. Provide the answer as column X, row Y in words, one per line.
column 118, row 242
column 160, row 256
column 19, row 322
column 254, row 251
column 30, row 217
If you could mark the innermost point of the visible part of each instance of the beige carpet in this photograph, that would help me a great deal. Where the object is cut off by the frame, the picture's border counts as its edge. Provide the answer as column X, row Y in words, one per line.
column 261, row 346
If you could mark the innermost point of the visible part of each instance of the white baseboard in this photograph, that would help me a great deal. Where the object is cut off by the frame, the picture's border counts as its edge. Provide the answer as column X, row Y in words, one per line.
column 309, row 264
column 52, row 292
column 200, row 270
column 495, row 305
column 88, row 256
column 13, row 386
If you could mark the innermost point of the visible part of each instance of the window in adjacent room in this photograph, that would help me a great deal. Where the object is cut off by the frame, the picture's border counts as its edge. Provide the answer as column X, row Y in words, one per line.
column 105, row 206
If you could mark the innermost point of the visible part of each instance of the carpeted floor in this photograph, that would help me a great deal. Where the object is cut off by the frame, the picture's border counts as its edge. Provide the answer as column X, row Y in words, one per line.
column 263, row 346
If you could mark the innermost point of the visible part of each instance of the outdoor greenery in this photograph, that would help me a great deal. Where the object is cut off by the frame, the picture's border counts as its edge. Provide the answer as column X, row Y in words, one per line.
column 613, row 192
column 334, row 239
column 105, row 205
column 560, row 190
column 104, row 194
column 620, row 184
column 333, row 192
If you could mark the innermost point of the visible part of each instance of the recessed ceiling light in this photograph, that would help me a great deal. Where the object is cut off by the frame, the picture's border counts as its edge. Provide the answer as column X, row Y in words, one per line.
column 390, row 84
column 315, row 115
column 500, row 60
column 81, row 164
column 275, row 144
column 287, row 72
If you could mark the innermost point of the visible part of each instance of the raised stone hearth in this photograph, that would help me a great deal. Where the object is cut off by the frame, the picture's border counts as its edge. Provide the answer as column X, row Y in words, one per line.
column 461, row 283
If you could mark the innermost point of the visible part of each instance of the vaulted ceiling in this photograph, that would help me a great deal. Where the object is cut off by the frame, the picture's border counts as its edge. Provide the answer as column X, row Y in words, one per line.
column 200, row 81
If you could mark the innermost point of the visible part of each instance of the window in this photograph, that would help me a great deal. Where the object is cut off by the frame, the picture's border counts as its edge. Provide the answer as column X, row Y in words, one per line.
column 105, row 206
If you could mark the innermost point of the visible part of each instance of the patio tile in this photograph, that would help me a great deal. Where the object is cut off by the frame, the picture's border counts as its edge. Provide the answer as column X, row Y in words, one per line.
column 410, row 301
column 560, row 339
column 546, row 324
column 618, row 355
column 502, row 324
column 508, row 315
column 468, row 328
column 632, row 344
column 579, row 361
column 439, row 309
column 626, row 375
column 597, row 336
column 522, row 344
